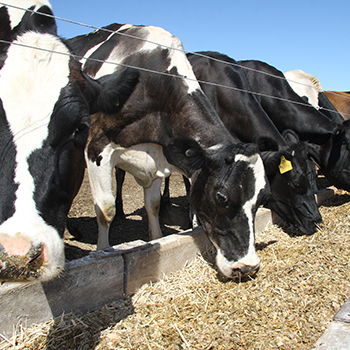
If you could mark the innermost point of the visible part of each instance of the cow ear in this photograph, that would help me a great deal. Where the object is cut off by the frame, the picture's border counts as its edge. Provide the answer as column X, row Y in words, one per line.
column 272, row 160
column 269, row 153
column 290, row 136
column 186, row 154
column 109, row 93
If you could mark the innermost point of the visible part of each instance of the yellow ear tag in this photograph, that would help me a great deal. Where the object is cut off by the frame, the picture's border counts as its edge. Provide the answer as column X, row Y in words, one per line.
column 285, row 165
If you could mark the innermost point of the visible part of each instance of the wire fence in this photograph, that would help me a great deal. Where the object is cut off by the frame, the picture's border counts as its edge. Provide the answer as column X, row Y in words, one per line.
column 170, row 48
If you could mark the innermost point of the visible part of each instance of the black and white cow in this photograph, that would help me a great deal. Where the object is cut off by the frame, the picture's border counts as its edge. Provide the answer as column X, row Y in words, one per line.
column 44, row 122
column 167, row 124
column 292, row 192
column 288, row 111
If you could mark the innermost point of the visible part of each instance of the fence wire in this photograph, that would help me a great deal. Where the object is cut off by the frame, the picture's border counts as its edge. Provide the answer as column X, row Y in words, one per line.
column 170, row 48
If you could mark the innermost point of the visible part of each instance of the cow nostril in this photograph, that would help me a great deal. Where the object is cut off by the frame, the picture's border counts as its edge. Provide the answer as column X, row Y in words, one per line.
column 245, row 270
column 36, row 254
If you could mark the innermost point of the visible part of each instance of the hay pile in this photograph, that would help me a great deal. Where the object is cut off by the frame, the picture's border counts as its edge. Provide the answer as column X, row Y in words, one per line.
column 302, row 283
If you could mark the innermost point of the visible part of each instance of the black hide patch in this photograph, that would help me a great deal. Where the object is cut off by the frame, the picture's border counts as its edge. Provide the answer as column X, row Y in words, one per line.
column 58, row 166
column 328, row 109
column 5, row 34
column 8, row 187
column 83, row 43
column 56, row 186
column 80, row 45
column 37, row 21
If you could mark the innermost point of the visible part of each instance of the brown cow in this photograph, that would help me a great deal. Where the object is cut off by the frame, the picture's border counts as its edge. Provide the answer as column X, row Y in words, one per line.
column 341, row 101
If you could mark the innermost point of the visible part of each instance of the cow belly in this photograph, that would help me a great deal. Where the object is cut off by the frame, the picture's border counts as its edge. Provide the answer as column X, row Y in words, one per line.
column 145, row 162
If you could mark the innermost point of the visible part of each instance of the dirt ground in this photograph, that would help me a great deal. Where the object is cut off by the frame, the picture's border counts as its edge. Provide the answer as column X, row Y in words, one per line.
column 81, row 235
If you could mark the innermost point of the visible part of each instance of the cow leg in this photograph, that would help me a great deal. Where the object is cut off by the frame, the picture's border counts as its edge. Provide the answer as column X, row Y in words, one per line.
column 100, row 176
column 152, row 203
column 120, row 177
column 194, row 222
column 165, row 205
column 166, row 191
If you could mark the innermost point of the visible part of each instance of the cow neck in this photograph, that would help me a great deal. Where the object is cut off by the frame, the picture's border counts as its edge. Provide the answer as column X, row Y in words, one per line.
column 283, row 112
column 238, row 109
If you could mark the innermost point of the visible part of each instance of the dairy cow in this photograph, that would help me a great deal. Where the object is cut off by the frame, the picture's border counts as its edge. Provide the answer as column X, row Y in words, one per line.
column 292, row 196
column 167, row 124
column 45, row 105
column 328, row 137
column 292, row 192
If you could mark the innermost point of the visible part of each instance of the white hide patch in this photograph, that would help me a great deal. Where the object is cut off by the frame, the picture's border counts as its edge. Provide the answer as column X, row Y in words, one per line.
column 177, row 55
column 16, row 14
column 305, row 84
column 251, row 259
column 255, row 162
column 115, row 56
column 144, row 161
column 30, row 84
column 214, row 148
column 156, row 36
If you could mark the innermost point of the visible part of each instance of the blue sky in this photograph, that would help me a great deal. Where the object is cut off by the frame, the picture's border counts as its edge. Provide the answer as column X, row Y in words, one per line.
column 299, row 34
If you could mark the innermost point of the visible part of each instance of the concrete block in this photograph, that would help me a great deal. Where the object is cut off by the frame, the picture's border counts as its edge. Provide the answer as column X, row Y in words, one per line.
column 336, row 337
column 87, row 284
column 165, row 255
column 22, row 305
column 263, row 219
column 276, row 219
column 324, row 194
column 343, row 315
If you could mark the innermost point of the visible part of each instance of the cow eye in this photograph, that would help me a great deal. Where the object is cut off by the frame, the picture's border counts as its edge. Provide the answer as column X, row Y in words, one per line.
column 81, row 134
column 190, row 153
column 222, row 199
column 229, row 159
column 81, row 128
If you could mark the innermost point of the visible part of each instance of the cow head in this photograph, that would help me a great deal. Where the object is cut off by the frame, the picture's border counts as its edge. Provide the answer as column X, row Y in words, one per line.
column 292, row 177
column 228, row 186
column 44, row 117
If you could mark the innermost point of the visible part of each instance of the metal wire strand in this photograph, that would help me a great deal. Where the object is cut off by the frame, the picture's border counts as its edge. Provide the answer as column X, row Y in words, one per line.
column 168, row 47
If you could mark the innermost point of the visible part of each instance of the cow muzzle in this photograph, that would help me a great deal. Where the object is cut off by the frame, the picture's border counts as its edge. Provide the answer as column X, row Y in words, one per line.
column 20, row 260
column 247, row 266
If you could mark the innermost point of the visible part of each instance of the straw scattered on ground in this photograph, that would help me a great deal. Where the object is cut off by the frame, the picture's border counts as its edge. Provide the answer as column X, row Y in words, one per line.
column 302, row 283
